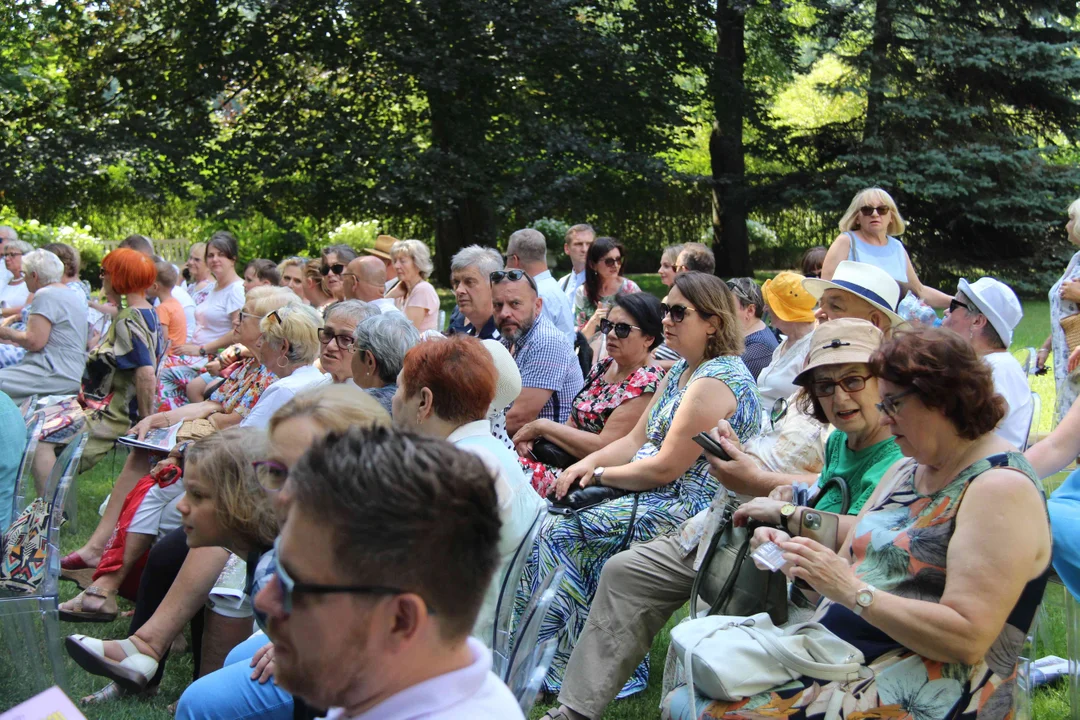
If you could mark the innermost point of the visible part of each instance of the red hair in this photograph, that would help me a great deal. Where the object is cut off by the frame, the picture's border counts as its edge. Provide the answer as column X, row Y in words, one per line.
column 129, row 270
column 459, row 372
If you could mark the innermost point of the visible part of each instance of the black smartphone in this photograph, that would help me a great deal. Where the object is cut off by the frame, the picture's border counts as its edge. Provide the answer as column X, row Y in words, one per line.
column 711, row 446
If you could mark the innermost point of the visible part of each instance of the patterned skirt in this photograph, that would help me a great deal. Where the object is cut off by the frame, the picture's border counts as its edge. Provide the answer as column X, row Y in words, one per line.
column 176, row 373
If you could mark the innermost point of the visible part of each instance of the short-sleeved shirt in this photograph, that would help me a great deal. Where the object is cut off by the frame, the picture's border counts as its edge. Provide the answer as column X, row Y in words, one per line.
column 1010, row 382
column 422, row 295
column 862, row 470
column 282, row 391
column 460, row 324
column 188, row 304
column 57, row 368
column 546, row 360
column 174, row 323
column 213, row 316
column 14, row 295
column 557, row 308
column 759, row 350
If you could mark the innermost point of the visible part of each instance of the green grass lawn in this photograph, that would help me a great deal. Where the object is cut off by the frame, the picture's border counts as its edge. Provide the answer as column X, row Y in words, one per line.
column 93, row 486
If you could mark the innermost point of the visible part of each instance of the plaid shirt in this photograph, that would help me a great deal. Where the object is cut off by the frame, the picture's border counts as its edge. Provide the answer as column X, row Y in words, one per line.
column 546, row 360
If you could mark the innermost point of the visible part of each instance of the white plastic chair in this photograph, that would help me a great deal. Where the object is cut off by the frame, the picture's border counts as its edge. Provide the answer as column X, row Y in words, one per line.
column 532, row 618
column 528, row 677
column 502, row 633
column 18, row 498
column 27, row 406
column 19, row 612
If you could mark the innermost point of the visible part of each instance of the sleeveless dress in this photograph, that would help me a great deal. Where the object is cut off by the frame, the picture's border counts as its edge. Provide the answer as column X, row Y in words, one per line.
column 585, row 540
column 900, row 546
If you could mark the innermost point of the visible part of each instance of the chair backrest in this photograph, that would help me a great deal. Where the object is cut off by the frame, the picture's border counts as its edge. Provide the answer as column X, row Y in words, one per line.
column 26, row 407
column 18, row 500
column 504, row 608
column 63, row 473
column 532, row 618
column 527, row 679
column 1033, row 422
column 1026, row 358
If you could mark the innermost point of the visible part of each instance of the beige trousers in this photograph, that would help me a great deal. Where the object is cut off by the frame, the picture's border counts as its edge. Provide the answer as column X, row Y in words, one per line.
column 639, row 590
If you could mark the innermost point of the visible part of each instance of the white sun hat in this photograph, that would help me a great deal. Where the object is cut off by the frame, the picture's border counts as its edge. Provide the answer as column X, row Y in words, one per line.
column 997, row 302
column 869, row 282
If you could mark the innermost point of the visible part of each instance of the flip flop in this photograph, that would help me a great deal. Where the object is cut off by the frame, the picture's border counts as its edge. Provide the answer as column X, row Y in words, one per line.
column 84, row 578
column 132, row 674
column 101, row 615
column 73, row 561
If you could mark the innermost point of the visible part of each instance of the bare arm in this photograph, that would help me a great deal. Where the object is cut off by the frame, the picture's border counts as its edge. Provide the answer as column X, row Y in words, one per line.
column 34, row 338
column 416, row 314
column 931, row 296
column 1059, row 448
column 838, row 252
column 526, row 408
column 580, row 443
column 145, row 390
column 214, row 345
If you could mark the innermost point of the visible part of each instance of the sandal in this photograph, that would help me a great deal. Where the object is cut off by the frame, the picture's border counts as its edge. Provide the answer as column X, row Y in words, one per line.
column 102, row 614
column 112, row 691
column 132, row 674
column 84, row 577
column 73, row 561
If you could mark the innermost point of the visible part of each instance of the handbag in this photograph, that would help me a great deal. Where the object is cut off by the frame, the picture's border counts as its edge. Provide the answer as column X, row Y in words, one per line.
column 195, row 430
column 551, row 454
column 581, row 498
column 26, row 549
column 729, row 581
column 731, row 657
column 1071, row 325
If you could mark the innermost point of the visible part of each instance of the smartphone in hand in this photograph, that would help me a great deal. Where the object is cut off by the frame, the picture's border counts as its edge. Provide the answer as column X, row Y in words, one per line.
column 711, row 446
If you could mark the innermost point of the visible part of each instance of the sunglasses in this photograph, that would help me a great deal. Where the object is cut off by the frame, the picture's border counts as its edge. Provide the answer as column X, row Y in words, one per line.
column 290, row 587
column 343, row 341
column 737, row 290
column 513, row 276
column 678, row 312
column 888, row 404
column 336, row 268
column 954, row 303
column 271, row 474
column 851, row 384
column 613, row 262
column 622, row 330
column 779, row 411
column 869, row 210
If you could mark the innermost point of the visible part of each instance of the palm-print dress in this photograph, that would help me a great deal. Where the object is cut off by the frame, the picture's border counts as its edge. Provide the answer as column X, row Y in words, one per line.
column 591, row 409
column 900, row 546
column 585, row 540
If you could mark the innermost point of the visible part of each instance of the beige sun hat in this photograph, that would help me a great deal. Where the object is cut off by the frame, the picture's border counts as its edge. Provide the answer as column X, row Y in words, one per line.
column 838, row 342
column 508, row 377
column 383, row 243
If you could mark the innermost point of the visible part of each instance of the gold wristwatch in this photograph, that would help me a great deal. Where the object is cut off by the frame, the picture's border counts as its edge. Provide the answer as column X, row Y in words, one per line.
column 786, row 512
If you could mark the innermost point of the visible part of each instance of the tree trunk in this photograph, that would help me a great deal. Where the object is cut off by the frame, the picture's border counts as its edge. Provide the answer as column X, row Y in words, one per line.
column 730, row 241
column 879, row 68
column 466, row 222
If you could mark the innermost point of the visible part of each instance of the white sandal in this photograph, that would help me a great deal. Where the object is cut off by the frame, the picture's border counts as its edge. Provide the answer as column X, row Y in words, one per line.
column 132, row 674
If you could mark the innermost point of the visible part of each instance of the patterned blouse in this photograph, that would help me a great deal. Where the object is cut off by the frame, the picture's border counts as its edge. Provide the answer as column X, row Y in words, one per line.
column 244, row 385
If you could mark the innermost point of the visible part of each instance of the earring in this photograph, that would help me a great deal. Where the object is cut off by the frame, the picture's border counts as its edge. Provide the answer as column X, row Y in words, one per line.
column 281, row 362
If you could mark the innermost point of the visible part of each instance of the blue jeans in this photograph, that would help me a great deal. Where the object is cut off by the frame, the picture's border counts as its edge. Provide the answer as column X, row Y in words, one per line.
column 231, row 694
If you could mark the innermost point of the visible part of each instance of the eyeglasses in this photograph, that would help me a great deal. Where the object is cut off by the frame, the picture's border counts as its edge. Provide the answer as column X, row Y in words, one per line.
column 888, row 404
column 241, row 316
column 954, row 303
column 343, row 341
column 735, row 288
column 678, row 312
column 622, row 330
column 12, row 253
column 336, row 268
column 290, row 587
column 271, row 474
column 869, row 210
column 613, row 262
column 513, row 276
column 851, row 384
column 779, row 410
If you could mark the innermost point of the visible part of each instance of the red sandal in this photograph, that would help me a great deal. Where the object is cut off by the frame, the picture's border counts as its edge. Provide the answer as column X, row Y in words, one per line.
column 73, row 561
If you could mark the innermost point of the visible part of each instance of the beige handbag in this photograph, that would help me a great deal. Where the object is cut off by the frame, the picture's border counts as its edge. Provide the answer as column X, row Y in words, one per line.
column 1071, row 325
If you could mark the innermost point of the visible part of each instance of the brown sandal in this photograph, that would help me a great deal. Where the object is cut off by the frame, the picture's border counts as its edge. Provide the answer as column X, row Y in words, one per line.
column 83, row 578
column 103, row 614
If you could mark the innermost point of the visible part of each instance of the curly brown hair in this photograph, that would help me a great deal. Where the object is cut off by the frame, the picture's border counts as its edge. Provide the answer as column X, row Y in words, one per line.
column 947, row 375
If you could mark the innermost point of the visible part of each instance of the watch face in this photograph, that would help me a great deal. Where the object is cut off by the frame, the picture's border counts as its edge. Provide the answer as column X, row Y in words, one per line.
column 864, row 598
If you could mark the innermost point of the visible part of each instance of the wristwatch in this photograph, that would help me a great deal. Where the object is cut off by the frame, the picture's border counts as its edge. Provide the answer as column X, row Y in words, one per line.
column 864, row 598
column 202, row 351
column 786, row 511
column 598, row 476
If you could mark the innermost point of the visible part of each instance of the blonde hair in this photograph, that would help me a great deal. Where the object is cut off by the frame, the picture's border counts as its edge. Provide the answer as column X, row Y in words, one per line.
column 1074, row 209
column 290, row 262
column 419, row 253
column 335, row 408
column 266, row 299
column 241, row 505
column 299, row 326
column 850, row 220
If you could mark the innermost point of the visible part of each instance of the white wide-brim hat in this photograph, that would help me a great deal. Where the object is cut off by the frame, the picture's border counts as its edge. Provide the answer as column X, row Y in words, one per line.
column 869, row 282
column 997, row 302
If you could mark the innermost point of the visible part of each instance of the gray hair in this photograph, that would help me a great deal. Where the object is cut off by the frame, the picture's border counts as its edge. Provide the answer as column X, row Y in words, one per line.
column 21, row 245
column 387, row 336
column 988, row 332
column 46, row 265
column 8, row 234
column 356, row 311
column 748, row 293
column 529, row 245
column 486, row 260
column 418, row 252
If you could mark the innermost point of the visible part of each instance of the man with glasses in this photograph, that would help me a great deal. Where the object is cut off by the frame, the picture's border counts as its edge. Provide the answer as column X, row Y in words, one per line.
column 371, row 604
column 550, row 373
column 364, row 279
column 527, row 250
column 470, row 279
column 760, row 342
column 986, row 312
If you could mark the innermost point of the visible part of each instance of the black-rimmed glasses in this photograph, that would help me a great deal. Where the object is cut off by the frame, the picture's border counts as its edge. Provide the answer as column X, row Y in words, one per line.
column 889, row 404
column 613, row 262
column 290, row 587
column 343, row 341
column 336, row 268
column 851, row 384
column 622, row 330
column 869, row 210
column 513, row 276
column 739, row 292
column 678, row 312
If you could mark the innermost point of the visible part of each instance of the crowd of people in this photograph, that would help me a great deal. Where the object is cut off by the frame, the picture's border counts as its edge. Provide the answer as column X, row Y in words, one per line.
column 358, row 479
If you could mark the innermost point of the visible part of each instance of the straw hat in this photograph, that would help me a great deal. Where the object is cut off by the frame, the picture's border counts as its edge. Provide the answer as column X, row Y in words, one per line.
column 838, row 342
column 383, row 243
column 508, row 377
column 788, row 299
column 869, row 282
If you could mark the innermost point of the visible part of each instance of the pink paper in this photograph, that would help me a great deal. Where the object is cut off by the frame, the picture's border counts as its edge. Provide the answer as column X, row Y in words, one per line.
column 52, row 704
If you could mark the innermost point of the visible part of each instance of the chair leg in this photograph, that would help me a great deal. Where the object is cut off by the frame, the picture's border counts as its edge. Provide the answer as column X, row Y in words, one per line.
column 1072, row 639
column 50, row 620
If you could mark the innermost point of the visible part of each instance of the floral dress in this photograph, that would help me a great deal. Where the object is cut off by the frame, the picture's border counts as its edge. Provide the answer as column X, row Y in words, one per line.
column 585, row 540
column 244, row 384
column 591, row 409
column 1068, row 384
column 901, row 546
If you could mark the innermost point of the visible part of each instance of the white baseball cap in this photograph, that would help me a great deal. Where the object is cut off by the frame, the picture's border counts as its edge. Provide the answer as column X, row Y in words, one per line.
column 997, row 302
column 869, row 282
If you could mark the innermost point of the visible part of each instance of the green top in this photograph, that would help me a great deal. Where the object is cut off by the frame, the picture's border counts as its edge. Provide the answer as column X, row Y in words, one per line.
column 862, row 470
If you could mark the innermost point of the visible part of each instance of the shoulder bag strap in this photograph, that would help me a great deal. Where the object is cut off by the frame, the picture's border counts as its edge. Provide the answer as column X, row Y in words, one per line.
column 832, row 672
column 845, row 493
column 707, row 557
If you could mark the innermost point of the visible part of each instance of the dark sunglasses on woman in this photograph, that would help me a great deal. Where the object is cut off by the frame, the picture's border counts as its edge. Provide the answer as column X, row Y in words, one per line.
column 336, row 268
column 869, row 210
column 678, row 312
column 613, row 262
column 622, row 330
